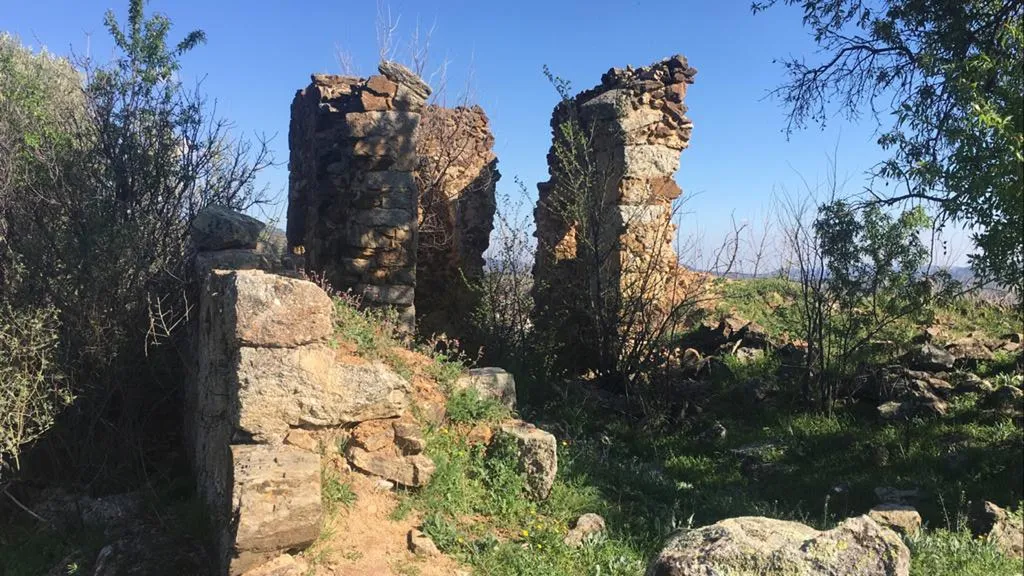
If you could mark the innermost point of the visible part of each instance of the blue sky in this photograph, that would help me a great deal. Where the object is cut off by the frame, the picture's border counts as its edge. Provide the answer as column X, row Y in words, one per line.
column 259, row 52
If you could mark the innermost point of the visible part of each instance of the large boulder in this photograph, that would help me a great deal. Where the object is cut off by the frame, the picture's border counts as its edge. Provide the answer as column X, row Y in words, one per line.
column 538, row 455
column 491, row 384
column 220, row 228
column 992, row 522
column 756, row 546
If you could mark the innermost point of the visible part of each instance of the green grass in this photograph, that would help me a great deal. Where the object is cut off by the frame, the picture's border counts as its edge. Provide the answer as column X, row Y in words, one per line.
column 945, row 553
column 335, row 493
column 771, row 302
column 647, row 482
column 972, row 315
column 650, row 478
column 476, row 510
column 465, row 406
column 372, row 331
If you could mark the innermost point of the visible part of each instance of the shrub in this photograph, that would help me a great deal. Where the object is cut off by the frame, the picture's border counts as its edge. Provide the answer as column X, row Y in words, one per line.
column 102, row 169
column 32, row 387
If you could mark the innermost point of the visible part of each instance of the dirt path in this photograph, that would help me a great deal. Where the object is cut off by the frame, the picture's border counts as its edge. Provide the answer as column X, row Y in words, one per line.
column 366, row 541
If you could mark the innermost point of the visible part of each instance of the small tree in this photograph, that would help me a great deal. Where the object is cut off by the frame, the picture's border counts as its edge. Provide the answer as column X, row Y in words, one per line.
column 860, row 272
column 33, row 388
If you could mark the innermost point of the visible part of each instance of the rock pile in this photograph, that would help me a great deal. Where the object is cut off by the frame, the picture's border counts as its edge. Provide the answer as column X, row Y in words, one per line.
column 352, row 190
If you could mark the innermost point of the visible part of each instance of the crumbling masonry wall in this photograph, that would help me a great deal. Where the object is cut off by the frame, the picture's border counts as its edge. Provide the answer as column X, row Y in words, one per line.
column 266, row 373
column 352, row 192
column 456, row 179
column 635, row 127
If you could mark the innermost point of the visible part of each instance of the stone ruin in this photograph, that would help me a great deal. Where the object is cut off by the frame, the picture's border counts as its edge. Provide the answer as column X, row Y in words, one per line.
column 379, row 181
column 636, row 125
column 352, row 190
column 456, row 180
column 270, row 401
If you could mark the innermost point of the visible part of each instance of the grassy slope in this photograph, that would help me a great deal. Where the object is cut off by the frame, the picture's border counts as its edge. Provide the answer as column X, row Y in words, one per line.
column 647, row 481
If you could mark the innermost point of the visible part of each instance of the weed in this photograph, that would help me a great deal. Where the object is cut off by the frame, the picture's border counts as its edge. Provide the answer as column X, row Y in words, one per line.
column 335, row 493
column 468, row 406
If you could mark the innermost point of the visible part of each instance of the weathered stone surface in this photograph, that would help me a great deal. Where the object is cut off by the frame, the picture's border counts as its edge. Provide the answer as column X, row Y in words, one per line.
column 1007, row 399
column 538, row 455
column 930, row 357
column 402, row 76
column 899, row 517
column 492, row 384
column 891, row 495
column 456, row 178
column 969, row 350
column 237, row 259
column 276, row 501
column 755, row 546
column 281, row 388
column 412, row 471
column 275, row 311
column 302, row 439
column 409, row 438
column 373, row 435
column 421, row 545
column 352, row 197
column 585, row 528
column 992, row 522
column 220, row 228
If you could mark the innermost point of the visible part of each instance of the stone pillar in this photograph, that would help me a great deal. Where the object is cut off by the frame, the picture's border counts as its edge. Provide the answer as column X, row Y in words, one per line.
column 352, row 194
column 635, row 125
column 456, row 178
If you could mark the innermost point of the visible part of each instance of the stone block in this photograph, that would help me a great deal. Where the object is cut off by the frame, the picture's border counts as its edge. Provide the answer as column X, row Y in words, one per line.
column 538, row 455
column 275, row 504
column 402, row 76
column 271, row 310
column 412, row 471
column 281, row 388
column 492, row 384
column 220, row 228
column 755, row 545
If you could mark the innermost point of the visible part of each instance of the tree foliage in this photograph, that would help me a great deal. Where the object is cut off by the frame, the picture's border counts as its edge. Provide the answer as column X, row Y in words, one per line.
column 948, row 74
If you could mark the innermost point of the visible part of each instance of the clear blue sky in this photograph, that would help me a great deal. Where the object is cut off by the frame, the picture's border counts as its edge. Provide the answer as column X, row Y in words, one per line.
column 259, row 52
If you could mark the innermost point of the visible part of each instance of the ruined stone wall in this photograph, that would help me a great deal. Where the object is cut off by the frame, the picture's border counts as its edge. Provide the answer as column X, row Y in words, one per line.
column 352, row 193
column 635, row 127
column 456, row 179
column 265, row 372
